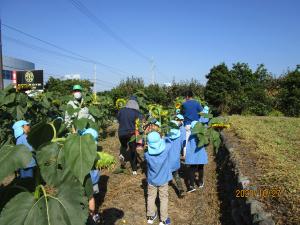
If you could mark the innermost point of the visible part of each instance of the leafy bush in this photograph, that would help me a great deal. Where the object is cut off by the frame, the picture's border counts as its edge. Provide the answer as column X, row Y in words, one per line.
column 64, row 164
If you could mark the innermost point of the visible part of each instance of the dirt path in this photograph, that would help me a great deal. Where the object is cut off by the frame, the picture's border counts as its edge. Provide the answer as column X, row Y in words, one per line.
column 123, row 196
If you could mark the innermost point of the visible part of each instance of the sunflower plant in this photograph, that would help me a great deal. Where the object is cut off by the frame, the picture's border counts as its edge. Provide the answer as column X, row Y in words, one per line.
column 210, row 133
column 120, row 103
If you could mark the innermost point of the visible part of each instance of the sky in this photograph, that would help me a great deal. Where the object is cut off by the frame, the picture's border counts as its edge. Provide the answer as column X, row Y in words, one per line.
column 184, row 38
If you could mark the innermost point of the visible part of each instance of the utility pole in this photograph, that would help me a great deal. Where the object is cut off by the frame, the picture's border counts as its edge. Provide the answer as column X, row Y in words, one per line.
column 152, row 71
column 1, row 61
column 94, row 78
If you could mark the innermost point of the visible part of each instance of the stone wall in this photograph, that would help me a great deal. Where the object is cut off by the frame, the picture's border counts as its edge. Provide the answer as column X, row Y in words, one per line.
column 244, row 210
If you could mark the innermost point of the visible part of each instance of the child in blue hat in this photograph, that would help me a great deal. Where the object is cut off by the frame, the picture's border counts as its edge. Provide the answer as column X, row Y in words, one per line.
column 179, row 118
column 21, row 129
column 95, row 177
column 195, row 160
column 177, row 139
column 202, row 118
column 158, row 176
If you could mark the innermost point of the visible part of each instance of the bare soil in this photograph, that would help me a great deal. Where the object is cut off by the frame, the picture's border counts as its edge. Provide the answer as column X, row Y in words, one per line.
column 123, row 196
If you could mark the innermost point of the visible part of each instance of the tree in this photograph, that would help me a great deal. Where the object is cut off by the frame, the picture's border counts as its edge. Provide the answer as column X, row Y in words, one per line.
column 63, row 86
column 157, row 94
column 127, row 88
column 221, row 89
column 289, row 94
column 239, row 90
column 253, row 98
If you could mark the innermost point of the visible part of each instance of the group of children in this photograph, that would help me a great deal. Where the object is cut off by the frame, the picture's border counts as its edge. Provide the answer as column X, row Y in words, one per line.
column 164, row 156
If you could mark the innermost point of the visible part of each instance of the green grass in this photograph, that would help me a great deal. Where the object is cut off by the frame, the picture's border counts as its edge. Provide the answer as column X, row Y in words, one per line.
column 276, row 142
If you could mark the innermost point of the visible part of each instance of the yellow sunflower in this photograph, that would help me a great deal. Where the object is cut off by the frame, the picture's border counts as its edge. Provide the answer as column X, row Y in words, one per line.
column 120, row 103
column 178, row 105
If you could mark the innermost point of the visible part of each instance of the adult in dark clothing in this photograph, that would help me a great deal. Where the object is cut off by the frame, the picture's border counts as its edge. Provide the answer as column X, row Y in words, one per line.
column 126, row 118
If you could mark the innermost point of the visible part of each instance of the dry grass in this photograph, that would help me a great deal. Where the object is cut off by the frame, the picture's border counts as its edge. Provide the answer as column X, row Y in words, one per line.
column 275, row 145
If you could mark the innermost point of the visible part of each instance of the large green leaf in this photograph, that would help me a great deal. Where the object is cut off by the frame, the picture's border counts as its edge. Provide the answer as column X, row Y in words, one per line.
column 22, row 204
column 215, row 139
column 88, row 186
column 71, row 111
column 200, row 131
column 22, row 100
column 13, row 157
column 95, row 111
column 17, row 111
column 84, row 123
column 40, row 134
column 9, row 98
column 80, row 153
column 45, row 103
column 51, row 162
column 202, row 141
column 65, row 205
column 81, row 124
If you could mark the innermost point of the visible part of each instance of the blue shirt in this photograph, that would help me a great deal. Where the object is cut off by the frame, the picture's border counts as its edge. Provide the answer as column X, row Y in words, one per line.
column 158, row 167
column 22, row 140
column 191, row 110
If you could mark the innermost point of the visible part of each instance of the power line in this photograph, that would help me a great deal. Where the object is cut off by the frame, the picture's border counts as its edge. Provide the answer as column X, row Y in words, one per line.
column 41, row 49
column 83, row 58
column 108, row 82
column 84, row 10
column 37, row 48
column 75, row 56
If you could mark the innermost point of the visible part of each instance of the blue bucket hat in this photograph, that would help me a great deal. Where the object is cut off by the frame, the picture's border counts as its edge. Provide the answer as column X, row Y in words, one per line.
column 157, row 123
column 193, row 124
column 174, row 133
column 18, row 127
column 156, row 144
column 180, row 117
column 91, row 131
column 205, row 109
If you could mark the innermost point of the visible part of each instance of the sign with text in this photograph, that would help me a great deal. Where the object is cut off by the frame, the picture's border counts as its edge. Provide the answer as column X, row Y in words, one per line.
column 30, row 80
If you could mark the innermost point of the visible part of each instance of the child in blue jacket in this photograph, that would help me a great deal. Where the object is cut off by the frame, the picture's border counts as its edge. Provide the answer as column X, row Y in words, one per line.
column 177, row 139
column 21, row 129
column 195, row 160
column 95, row 177
column 158, row 176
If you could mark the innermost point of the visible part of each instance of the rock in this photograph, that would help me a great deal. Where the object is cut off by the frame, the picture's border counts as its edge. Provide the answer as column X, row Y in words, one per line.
column 267, row 222
column 244, row 181
column 256, row 207
column 261, row 216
